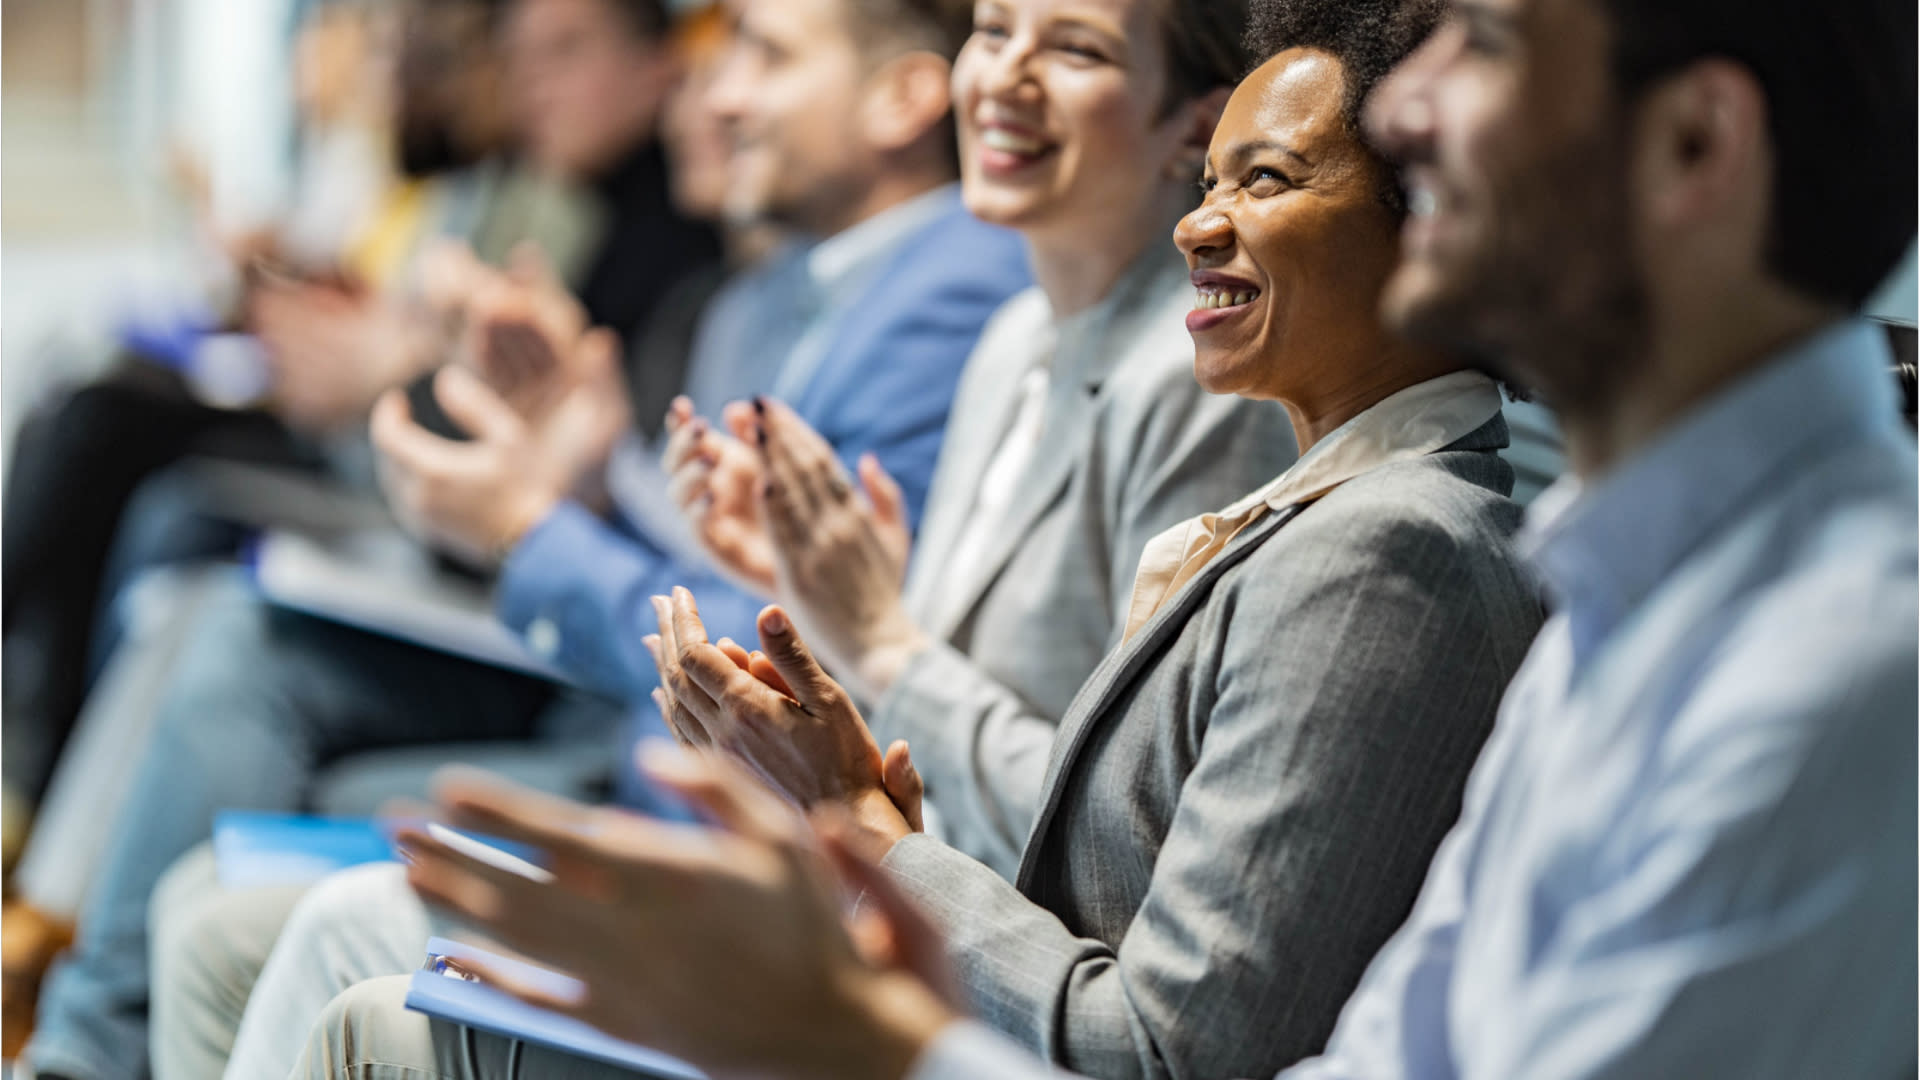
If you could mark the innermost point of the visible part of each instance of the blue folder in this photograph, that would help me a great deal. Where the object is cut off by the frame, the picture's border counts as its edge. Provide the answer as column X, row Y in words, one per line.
column 255, row 849
column 484, row 1008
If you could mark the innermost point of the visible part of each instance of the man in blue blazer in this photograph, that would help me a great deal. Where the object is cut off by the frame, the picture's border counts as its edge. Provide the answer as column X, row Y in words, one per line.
column 865, row 332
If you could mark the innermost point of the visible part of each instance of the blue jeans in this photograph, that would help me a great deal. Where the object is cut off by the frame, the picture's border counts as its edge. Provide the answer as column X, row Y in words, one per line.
column 261, row 702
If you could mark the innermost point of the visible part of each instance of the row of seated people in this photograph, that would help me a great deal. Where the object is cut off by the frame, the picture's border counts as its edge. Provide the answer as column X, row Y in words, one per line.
column 1142, row 770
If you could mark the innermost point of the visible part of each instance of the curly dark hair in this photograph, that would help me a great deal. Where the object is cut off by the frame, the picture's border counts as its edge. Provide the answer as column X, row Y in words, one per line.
column 1369, row 37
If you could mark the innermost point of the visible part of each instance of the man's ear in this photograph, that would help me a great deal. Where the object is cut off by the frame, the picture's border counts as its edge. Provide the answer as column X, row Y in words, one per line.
column 1701, row 149
column 906, row 98
column 1193, row 122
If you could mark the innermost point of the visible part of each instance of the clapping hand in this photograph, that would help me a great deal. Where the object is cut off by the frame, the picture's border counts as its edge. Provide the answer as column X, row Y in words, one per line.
column 839, row 555
column 784, row 718
column 479, row 498
column 716, row 480
column 723, row 946
column 331, row 352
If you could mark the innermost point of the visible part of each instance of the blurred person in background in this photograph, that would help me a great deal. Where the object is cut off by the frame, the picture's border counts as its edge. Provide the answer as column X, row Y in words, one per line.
column 332, row 341
column 79, row 461
column 261, row 699
column 210, row 942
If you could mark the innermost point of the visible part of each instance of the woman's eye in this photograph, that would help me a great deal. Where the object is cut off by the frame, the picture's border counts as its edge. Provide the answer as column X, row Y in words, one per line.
column 1207, row 184
column 1082, row 51
column 1266, row 179
column 990, row 30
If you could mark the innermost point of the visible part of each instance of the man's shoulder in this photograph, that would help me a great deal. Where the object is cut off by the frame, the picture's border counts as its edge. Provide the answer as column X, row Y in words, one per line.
column 957, row 252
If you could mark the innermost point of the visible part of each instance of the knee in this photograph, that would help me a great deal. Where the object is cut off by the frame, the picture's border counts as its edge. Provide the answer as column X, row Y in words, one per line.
column 365, row 1024
column 194, row 951
column 352, row 912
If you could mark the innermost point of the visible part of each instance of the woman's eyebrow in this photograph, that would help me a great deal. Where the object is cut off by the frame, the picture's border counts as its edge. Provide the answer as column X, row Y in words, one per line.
column 1240, row 151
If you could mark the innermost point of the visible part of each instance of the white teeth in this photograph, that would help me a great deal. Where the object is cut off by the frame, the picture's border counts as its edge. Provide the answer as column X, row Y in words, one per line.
column 1002, row 139
column 1211, row 299
column 1421, row 202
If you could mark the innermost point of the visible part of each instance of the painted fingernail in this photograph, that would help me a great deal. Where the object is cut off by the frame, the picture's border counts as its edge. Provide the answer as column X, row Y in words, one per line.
column 760, row 404
column 761, row 432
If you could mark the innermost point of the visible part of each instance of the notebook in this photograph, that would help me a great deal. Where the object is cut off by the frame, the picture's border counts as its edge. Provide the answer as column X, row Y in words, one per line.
column 382, row 582
column 476, row 1005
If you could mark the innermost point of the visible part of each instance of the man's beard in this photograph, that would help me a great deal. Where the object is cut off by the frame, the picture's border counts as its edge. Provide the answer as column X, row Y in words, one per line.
column 1550, row 296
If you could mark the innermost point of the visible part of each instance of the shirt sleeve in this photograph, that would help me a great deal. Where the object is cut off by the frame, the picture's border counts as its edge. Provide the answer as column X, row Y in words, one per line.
column 579, row 591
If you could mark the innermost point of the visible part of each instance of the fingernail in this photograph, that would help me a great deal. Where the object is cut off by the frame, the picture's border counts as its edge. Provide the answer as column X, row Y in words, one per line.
column 760, row 404
column 762, row 433
column 776, row 622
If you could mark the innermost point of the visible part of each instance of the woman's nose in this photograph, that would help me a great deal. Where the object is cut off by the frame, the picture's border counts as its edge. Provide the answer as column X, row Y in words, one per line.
column 1206, row 231
column 1006, row 73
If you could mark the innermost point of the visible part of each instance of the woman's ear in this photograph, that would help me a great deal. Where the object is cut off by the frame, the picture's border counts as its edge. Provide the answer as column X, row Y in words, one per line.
column 907, row 98
column 1194, row 121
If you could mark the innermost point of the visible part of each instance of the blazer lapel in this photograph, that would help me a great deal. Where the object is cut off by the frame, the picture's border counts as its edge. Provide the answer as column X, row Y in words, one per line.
column 1042, row 485
column 1083, row 362
column 1095, row 700
column 957, row 486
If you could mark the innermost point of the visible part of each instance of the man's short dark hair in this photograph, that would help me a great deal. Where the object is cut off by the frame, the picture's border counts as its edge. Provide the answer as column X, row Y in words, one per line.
column 1839, row 79
column 1206, row 46
column 887, row 28
column 645, row 19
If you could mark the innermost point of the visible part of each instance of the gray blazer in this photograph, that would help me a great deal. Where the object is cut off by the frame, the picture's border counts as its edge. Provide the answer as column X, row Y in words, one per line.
column 1132, row 445
column 1244, row 798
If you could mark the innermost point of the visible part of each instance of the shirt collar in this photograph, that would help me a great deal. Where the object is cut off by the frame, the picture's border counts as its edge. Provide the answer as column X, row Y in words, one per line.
column 1410, row 423
column 841, row 262
column 1602, row 546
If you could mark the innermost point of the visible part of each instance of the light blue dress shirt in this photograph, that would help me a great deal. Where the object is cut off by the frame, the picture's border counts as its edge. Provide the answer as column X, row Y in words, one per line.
column 1689, row 848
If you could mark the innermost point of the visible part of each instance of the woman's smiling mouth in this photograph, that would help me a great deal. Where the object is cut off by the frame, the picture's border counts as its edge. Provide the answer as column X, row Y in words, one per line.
column 1218, row 298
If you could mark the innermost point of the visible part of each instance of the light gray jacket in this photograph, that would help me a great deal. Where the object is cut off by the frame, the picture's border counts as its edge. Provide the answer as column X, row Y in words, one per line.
column 1243, row 799
column 1132, row 445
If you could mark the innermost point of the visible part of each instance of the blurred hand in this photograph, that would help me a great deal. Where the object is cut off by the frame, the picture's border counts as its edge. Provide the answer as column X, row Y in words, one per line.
column 332, row 352
column 522, row 333
column 807, row 742
column 478, row 499
column 716, row 481
column 839, row 556
column 723, row 946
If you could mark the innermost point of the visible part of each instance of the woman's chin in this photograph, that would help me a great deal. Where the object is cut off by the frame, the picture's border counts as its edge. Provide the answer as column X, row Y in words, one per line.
column 1220, row 371
column 995, row 205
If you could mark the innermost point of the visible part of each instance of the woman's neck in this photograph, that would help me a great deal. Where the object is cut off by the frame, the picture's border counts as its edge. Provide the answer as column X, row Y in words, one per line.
column 1077, row 267
column 1396, row 366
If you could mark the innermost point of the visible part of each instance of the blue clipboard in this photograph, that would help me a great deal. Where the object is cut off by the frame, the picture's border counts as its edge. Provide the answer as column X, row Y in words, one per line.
column 479, row 1006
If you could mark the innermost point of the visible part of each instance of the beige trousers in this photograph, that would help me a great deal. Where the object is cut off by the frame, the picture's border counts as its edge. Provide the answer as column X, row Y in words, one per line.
column 368, row 1034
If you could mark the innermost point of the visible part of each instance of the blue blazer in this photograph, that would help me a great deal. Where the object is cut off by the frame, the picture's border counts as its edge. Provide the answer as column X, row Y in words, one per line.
column 577, row 586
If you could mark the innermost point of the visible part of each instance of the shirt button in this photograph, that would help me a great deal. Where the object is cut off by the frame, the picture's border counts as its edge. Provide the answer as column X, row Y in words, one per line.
column 543, row 637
